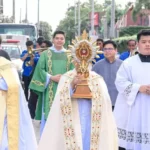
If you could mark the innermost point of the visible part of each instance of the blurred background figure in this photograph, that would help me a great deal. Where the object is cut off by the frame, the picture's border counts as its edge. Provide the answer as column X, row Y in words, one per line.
column 46, row 44
column 39, row 42
column 131, row 48
column 99, row 42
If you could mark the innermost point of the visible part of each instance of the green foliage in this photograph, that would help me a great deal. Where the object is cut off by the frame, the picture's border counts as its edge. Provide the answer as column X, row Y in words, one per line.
column 126, row 34
column 24, row 21
column 139, row 5
column 68, row 23
column 46, row 30
column 127, row 6
column 122, row 42
column 129, row 31
column 118, row 13
column 6, row 19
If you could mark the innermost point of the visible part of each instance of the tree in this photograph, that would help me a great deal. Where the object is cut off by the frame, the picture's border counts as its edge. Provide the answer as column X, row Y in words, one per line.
column 139, row 5
column 68, row 23
column 6, row 19
column 118, row 13
column 46, row 29
column 25, row 21
column 127, row 6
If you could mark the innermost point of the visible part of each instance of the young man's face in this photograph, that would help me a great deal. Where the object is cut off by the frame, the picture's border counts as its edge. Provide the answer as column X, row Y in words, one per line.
column 109, row 51
column 30, row 47
column 59, row 40
column 144, row 45
column 131, row 45
column 100, row 44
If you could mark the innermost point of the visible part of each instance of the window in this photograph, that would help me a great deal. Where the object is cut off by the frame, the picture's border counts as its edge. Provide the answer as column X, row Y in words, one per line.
column 13, row 52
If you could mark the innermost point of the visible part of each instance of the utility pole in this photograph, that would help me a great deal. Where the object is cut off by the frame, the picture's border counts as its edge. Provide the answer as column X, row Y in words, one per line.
column 104, row 20
column 75, row 16
column 112, row 29
column 38, row 15
column 1, row 7
column 92, row 18
column 79, row 19
column 14, row 7
column 20, row 15
column 1, row 10
column 26, row 17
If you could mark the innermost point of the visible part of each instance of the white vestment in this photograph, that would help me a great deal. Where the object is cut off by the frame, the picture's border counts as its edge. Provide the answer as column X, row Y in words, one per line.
column 27, row 140
column 132, row 109
column 69, row 119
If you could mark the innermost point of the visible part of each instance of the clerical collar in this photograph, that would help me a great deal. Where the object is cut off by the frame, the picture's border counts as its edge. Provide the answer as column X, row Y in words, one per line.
column 57, row 51
column 144, row 58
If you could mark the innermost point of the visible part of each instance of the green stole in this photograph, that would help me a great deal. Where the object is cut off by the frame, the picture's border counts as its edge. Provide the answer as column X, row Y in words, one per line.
column 52, row 63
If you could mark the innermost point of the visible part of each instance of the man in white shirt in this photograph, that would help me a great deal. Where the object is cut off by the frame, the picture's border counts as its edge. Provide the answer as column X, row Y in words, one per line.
column 132, row 111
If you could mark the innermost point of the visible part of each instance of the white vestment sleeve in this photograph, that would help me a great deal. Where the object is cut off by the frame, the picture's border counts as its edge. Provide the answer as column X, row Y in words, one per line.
column 125, row 85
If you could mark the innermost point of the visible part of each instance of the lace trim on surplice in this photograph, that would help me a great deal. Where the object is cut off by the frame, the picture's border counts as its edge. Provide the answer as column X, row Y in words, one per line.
column 128, row 89
column 136, row 137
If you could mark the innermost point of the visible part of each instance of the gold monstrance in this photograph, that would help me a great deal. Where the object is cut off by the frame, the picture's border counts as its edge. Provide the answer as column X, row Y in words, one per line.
column 83, row 51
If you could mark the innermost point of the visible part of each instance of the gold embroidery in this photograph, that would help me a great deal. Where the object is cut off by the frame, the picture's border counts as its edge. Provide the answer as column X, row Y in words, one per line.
column 12, row 104
column 96, row 113
column 69, row 59
column 51, row 94
column 37, row 83
column 6, row 66
column 66, row 110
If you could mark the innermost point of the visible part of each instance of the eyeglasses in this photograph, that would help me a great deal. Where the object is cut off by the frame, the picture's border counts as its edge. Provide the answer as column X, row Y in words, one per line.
column 109, row 49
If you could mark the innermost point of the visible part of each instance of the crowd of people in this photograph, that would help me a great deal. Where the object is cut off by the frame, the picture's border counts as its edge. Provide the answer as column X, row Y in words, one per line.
column 116, row 117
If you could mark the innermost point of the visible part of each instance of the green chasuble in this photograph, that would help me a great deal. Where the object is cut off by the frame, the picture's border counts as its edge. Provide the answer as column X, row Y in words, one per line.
column 52, row 63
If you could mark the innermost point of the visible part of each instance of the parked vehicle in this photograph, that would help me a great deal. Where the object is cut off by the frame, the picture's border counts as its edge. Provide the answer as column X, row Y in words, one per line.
column 13, row 48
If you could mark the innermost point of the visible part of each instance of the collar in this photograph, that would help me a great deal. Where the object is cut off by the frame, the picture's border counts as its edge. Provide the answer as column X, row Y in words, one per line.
column 144, row 58
column 109, row 61
column 57, row 51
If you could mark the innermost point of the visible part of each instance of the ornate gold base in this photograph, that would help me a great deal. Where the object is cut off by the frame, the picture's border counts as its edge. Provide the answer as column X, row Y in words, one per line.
column 82, row 91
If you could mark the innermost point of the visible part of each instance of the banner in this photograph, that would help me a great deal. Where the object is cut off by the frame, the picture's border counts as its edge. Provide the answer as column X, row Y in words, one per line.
column 96, row 18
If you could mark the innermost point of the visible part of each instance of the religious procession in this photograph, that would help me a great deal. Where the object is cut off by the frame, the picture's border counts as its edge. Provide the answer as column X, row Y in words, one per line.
column 85, row 94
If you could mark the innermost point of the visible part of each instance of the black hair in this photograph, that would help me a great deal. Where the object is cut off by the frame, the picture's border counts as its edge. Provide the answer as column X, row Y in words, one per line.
column 130, row 41
column 40, row 40
column 58, row 32
column 101, row 40
column 29, row 43
column 4, row 54
column 143, row 33
column 110, row 42
column 48, row 43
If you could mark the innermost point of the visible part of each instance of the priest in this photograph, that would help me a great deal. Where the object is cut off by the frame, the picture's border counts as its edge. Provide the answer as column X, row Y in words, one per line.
column 51, row 65
column 16, row 129
column 80, row 123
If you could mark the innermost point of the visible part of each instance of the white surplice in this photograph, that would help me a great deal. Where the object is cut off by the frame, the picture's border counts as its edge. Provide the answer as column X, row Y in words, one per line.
column 60, row 134
column 27, row 140
column 132, row 109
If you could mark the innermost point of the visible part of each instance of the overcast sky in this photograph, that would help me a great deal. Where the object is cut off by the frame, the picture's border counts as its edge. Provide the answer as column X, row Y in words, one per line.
column 51, row 11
